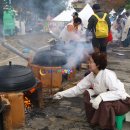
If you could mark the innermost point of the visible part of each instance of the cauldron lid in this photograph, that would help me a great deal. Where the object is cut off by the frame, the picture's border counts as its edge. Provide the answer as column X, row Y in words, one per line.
column 51, row 52
column 13, row 71
column 16, row 78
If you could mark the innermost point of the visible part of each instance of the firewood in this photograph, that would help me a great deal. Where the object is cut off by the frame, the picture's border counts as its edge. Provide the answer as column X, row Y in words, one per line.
column 84, row 65
column 74, row 83
column 6, row 102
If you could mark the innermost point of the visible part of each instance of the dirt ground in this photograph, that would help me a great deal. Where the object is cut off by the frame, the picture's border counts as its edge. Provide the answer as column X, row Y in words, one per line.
column 66, row 114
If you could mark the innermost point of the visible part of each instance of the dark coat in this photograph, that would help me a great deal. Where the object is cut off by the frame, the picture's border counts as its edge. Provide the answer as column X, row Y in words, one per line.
column 93, row 21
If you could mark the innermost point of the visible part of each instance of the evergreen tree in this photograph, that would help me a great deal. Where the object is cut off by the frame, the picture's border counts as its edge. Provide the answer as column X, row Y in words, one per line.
column 128, row 5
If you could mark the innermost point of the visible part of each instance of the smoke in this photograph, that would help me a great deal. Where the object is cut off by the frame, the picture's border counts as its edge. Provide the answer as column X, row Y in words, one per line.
column 80, row 53
column 41, row 7
column 76, row 45
column 76, row 52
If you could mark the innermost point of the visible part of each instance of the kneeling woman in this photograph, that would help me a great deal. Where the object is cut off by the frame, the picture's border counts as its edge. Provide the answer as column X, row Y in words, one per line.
column 104, row 93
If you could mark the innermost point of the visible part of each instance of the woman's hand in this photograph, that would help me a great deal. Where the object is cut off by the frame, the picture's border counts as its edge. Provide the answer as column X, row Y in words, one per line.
column 96, row 102
column 58, row 95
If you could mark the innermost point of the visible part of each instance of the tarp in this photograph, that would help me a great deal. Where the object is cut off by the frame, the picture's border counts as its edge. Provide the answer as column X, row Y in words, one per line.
column 85, row 14
column 65, row 15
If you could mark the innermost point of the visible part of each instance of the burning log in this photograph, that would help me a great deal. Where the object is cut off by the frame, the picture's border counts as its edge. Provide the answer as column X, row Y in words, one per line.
column 34, row 97
column 27, row 103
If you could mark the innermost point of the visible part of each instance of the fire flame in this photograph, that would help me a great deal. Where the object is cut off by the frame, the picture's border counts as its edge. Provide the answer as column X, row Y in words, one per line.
column 32, row 90
column 27, row 103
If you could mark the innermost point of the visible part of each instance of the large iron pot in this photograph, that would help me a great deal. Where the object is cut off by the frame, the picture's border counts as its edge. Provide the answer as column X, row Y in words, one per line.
column 49, row 58
column 16, row 78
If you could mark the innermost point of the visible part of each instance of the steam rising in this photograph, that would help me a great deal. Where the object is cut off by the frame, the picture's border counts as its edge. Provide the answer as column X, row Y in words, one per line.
column 75, row 52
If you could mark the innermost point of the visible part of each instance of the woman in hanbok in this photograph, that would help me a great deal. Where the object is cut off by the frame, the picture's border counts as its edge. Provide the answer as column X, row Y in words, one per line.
column 104, row 94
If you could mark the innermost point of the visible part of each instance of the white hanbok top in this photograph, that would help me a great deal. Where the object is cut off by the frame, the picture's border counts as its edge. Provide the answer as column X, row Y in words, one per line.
column 104, row 83
column 67, row 36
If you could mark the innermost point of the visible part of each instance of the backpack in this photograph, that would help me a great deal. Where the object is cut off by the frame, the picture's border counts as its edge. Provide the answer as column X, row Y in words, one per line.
column 101, row 27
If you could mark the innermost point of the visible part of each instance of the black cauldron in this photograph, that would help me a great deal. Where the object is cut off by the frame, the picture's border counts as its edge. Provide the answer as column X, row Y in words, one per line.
column 49, row 58
column 16, row 78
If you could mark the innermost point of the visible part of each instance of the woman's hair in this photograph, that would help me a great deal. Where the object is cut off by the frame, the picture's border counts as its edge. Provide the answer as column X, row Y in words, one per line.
column 77, row 20
column 100, row 60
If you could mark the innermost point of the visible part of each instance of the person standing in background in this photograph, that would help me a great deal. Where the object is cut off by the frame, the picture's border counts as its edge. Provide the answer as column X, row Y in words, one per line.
column 99, row 44
column 75, row 15
column 72, row 31
column 125, row 39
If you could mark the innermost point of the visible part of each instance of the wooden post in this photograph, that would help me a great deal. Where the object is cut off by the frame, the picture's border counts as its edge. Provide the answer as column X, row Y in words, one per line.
column 16, row 112
column 40, row 96
column 51, row 77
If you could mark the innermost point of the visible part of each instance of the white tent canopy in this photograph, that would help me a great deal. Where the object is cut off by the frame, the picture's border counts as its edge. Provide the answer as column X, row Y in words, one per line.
column 85, row 14
column 112, row 12
column 66, row 15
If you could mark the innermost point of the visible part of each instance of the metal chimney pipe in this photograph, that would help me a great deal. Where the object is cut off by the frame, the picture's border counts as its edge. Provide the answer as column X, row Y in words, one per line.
column 14, row 50
column 25, row 45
